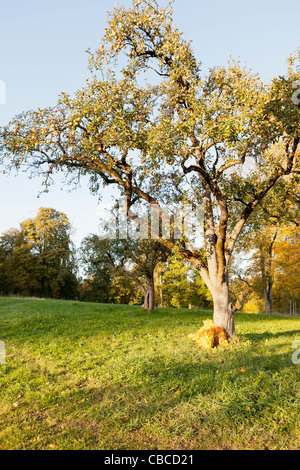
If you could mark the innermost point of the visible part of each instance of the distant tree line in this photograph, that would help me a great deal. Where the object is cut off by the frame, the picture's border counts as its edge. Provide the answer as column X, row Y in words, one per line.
column 39, row 259
column 139, row 272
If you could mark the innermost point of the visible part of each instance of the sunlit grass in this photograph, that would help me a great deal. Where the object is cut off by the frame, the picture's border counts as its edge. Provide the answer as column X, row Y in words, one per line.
column 92, row 376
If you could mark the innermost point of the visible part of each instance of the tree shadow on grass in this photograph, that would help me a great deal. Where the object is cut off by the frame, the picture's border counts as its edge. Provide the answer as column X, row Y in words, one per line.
column 255, row 337
column 190, row 395
column 181, row 396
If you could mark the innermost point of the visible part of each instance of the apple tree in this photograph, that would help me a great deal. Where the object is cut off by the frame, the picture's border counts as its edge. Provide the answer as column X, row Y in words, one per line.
column 152, row 123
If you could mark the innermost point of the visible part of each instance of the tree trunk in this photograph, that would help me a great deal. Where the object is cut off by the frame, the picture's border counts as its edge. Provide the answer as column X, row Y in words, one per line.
column 161, row 292
column 223, row 308
column 149, row 295
column 266, row 261
column 217, row 262
column 268, row 298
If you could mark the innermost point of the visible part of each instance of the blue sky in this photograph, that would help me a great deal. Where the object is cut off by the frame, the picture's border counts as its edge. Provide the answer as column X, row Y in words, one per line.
column 42, row 51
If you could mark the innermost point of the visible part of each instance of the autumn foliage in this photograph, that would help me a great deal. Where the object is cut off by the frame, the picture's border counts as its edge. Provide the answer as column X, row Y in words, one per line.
column 222, row 140
column 209, row 336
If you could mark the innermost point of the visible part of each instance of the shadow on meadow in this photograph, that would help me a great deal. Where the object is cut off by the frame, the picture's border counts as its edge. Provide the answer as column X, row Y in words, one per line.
column 268, row 335
column 113, row 371
column 188, row 401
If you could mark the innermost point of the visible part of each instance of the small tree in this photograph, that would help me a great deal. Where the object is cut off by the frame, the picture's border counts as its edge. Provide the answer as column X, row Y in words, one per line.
column 135, row 260
column 223, row 140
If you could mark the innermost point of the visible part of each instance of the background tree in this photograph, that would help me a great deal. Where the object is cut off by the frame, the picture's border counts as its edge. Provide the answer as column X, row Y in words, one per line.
column 175, row 283
column 125, row 291
column 9, row 242
column 39, row 259
column 48, row 236
column 223, row 140
column 285, row 274
column 181, row 286
column 258, row 244
column 287, row 265
column 134, row 259
column 97, row 270
column 279, row 213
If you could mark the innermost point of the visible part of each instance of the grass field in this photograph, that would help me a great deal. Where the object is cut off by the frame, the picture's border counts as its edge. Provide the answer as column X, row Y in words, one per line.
column 92, row 376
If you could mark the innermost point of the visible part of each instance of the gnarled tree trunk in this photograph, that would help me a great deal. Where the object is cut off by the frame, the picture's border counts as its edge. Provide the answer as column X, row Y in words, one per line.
column 216, row 273
column 149, row 295
column 223, row 315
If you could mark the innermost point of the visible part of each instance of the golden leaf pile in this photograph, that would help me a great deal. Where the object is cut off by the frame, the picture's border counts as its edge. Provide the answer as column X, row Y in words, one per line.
column 209, row 335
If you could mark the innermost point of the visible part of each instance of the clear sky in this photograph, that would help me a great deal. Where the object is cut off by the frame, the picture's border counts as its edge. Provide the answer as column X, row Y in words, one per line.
column 42, row 52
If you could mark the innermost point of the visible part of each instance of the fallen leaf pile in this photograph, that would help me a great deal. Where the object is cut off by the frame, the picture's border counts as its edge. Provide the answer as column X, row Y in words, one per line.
column 209, row 335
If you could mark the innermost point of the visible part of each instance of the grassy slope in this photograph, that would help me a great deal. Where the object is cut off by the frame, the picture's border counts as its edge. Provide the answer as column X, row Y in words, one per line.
column 92, row 376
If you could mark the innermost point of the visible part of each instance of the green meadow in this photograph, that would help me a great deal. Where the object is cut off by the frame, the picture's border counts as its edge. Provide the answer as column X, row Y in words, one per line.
column 97, row 376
